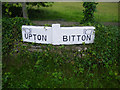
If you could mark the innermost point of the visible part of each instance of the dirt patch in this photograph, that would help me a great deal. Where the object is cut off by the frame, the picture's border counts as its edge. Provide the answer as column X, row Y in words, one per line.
column 64, row 23
column 56, row 22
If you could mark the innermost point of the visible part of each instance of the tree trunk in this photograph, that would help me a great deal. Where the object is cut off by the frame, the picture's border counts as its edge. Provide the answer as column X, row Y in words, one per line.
column 24, row 10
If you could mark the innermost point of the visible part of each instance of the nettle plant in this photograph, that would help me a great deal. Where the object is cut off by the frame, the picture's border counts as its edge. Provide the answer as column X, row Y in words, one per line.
column 90, row 8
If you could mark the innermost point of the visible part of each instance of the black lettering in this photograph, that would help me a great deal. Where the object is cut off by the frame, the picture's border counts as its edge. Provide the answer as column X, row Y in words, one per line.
column 73, row 37
column 78, row 37
column 34, row 36
column 30, row 35
column 39, row 37
column 69, row 38
column 26, row 36
column 65, row 38
column 44, row 37
column 88, row 37
column 83, row 37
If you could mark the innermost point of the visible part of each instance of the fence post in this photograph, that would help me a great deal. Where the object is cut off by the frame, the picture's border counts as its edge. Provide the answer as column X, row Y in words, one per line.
column 55, row 34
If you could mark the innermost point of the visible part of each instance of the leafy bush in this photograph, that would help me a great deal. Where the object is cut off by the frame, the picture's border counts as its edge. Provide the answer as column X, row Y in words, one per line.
column 106, row 44
column 15, row 9
column 90, row 8
column 58, row 67
column 11, row 31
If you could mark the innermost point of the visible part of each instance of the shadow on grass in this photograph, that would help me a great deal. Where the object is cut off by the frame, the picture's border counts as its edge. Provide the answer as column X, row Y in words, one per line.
column 51, row 15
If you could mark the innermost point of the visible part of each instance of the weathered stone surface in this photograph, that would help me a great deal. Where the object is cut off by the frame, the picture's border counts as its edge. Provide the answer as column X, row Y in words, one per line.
column 72, row 49
column 36, row 47
column 40, row 50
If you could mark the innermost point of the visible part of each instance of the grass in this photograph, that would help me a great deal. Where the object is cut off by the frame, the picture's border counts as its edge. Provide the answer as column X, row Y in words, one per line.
column 23, row 72
column 72, row 11
column 99, row 68
column 59, row 11
column 58, row 67
column 107, row 12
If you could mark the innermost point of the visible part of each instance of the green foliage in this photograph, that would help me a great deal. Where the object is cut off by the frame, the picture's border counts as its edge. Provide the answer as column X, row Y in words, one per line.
column 40, row 4
column 6, row 78
column 90, row 8
column 57, row 66
column 16, row 8
column 11, row 32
